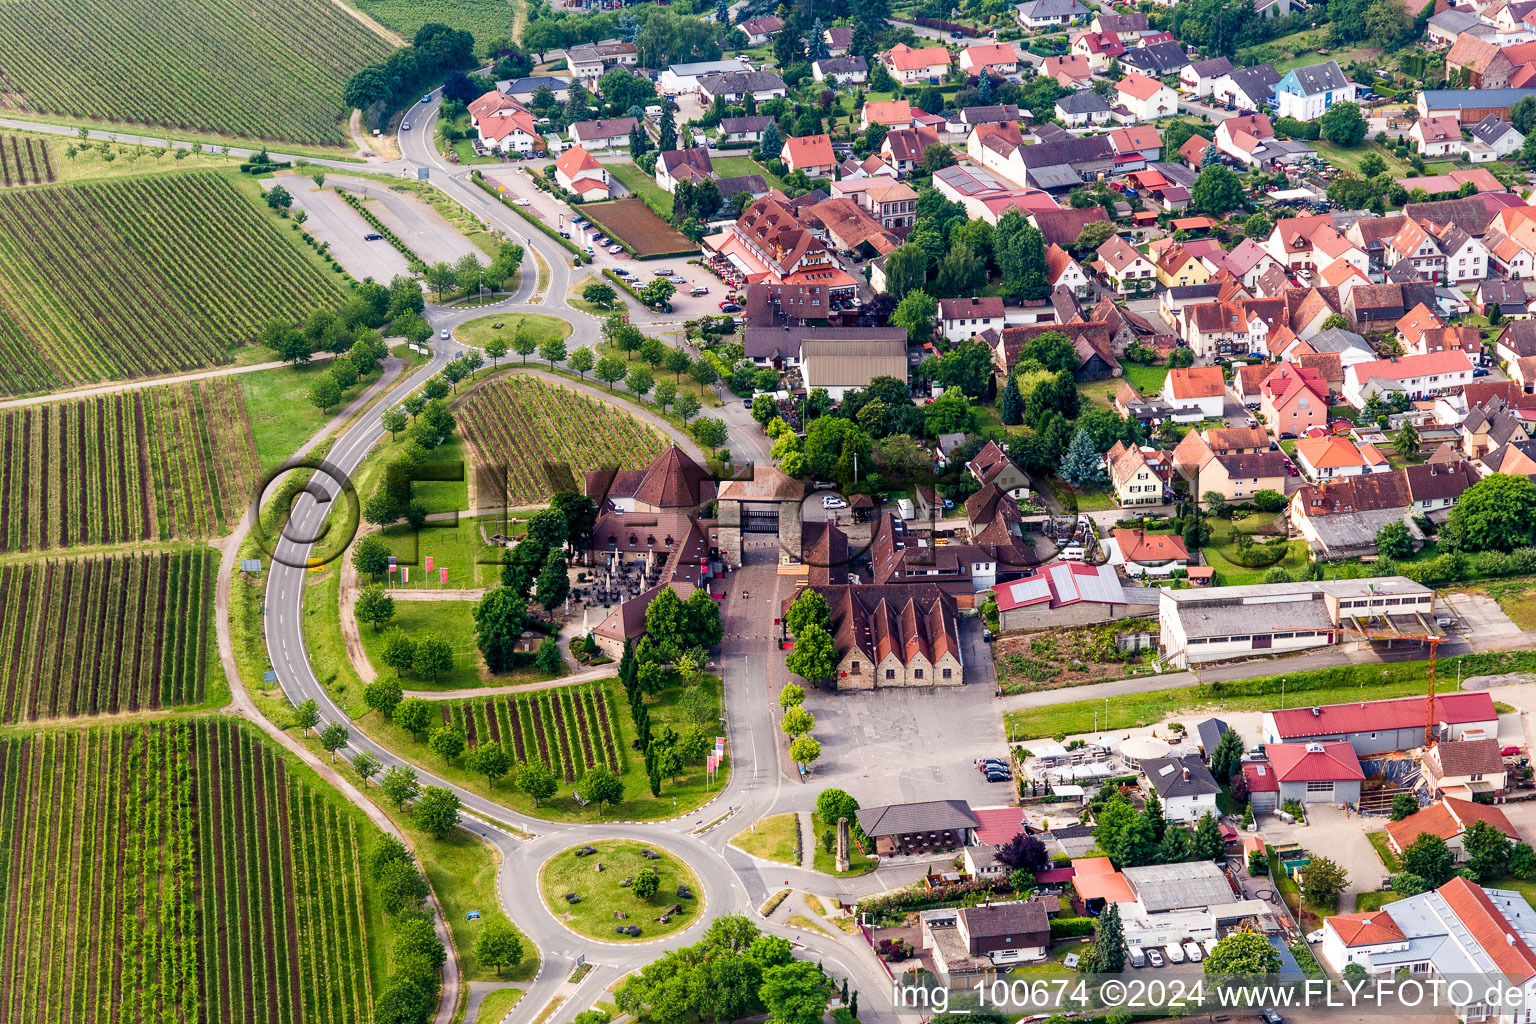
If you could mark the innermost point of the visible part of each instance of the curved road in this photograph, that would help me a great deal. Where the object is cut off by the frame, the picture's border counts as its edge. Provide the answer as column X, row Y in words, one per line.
column 732, row 882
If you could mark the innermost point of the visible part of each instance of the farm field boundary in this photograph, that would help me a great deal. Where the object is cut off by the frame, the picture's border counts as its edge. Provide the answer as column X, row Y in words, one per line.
column 140, row 277
column 179, row 871
column 152, row 463
column 262, row 69
column 105, row 634
column 510, row 417
column 635, row 226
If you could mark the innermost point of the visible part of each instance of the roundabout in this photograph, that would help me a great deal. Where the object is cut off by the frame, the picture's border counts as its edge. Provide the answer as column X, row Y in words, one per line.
column 504, row 325
column 621, row 890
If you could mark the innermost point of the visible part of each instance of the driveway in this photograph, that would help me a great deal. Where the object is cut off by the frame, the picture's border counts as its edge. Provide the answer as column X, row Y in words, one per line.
column 332, row 221
column 1341, row 836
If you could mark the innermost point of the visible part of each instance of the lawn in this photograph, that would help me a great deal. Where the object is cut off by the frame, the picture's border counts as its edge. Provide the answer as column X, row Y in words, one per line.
column 1518, row 600
column 1388, row 858
column 598, row 879
column 1366, row 902
column 1099, row 499
column 740, row 166
column 497, row 1004
column 281, row 414
column 457, row 547
column 644, row 187
column 1220, row 551
column 448, row 461
column 462, row 870
column 574, row 299
column 505, row 326
column 1348, row 158
column 455, row 622
column 1146, row 379
column 1304, row 688
column 825, row 861
column 772, row 838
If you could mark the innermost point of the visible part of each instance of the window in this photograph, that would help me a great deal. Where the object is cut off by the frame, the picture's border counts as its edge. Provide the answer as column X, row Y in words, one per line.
column 917, row 673
column 948, row 673
column 854, row 668
column 1314, row 786
column 890, row 673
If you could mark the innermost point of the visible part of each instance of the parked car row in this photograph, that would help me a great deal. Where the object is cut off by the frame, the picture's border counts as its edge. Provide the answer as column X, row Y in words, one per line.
column 994, row 769
column 1174, row 953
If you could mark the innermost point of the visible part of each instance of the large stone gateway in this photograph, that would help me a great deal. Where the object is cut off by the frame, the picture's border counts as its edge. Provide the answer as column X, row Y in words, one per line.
column 768, row 501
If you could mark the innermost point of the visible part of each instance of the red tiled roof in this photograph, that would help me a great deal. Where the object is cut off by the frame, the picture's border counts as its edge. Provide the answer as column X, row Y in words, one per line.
column 1447, row 819
column 1139, row 546
column 1196, row 382
column 1300, row 762
column 1489, row 928
column 1366, row 929
column 1403, row 367
column 998, row 824
column 810, row 151
column 905, row 58
column 1397, row 713
column 1261, row 777
column 1139, row 86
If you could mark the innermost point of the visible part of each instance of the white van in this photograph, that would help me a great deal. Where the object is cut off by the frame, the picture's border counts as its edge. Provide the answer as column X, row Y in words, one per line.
column 1174, row 954
column 1192, row 950
column 906, row 508
column 1209, row 945
column 1136, row 957
column 653, row 112
column 698, row 290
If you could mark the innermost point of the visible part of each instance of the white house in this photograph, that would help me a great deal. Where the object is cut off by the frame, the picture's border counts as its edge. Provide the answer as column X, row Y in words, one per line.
column 916, row 65
column 610, row 134
column 1304, row 93
column 1184, row 784
column 1062, row 271
column 1199, row 78
column 578, row 171
column 503, row 124
column 1147, row 98
column 1038, row 14
column 1196, row 393
column 966, row 318
column 1437, row 136
column 684, row 78
column 1415, row 376
column 759, row 30
column 1493, row 139
column 1082, row 109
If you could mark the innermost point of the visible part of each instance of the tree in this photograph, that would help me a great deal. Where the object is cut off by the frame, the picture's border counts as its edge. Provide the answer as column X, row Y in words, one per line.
column 1123, row 834
column 399, row 651
column 1487, row 849
column 1082, row 466
column 1394, row 541
column 333, row 737
column 554, row 582
column 687, row 406
column 1227, row 756
column 552, row 351
column 809, row 607
column 446, row 742
column 436, row 812
column 374, row 605
column 499, row 620
column 1323, row 881
column 434, row 655
column 307, row 715
column 498, row 944
column 772, row 143
column 1342, row 125
column 797, row 722
column 1217, row 190
column 1207, row 843
column 1107, row 954
column 414, row 714
column 906, row 269
column 400, row 784
column 1404, row 804
column 278, row 198
column 795, row 993
column 832, row 804
column 1010, row 405
column 367, row 765
column 710, row 431
column 581, row 361
column 324, row 391
column 371, row 555
column 600, row 786
column 536, row 781
column 640, row 380
column 610, row 369
column 815, row 656
column 1259, row 225
column 1243, row 953
column 400, row 885
column 490, row 760
column 916, row 312
column 1024, row 851
column 1498, row 513
column 804, row 750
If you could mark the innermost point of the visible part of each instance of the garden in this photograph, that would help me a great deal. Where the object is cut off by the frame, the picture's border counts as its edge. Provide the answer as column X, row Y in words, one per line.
column 618, row 890
column 1070, row 657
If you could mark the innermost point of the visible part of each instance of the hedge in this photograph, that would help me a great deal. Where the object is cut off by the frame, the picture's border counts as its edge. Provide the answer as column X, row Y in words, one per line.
column 485, row 186
column 1071, row 927
column 379, row 226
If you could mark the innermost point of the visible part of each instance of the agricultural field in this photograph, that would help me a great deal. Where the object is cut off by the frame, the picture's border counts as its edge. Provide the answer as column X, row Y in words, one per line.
column 156, row 463
column 483, row 19
column 178, row 871
column 264, row 69
column 539, row 431
column 569, row 728
column 24, row 161
column 138, row 277
column 104, row 634
column 635, row 224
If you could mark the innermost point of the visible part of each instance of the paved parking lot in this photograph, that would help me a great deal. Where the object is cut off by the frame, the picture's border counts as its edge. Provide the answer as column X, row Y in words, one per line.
column 330, row 220
column 1335, row 833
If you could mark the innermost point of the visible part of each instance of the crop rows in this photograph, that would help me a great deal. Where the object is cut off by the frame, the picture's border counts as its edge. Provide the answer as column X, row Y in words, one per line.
column 24, row 161
column 97, row 635
column 162, row 462
column 536, row 431
column 173, row 872
column 568, row 728
column 139, row 277
column 269, row 69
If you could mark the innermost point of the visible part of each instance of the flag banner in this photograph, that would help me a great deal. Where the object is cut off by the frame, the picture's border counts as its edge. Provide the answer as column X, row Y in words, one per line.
column 405, row 574
column 442, row 576
column 429, row 563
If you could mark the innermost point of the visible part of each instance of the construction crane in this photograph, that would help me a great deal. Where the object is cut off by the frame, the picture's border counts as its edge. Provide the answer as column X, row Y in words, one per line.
column 1434, row 640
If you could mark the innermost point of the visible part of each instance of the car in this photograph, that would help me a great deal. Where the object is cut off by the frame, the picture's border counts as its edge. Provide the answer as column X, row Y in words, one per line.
column 987, row 763
column 615, row 249
column 624, row 272
column 999, row 777
column 833, row 501
column 663, row 271
column 373, row 236
column 987, row 637
column 1481, row 371
column 729, row 307
column 957, row 35
column 1174, row 954
column 1293, row 471
column 948, row 504
column 1509, row 751
column 443, row 334
column 578, row 220
column 427, row 98
column 1154, row 958
column 678, row 279
column 405, row 126
column 1316, row 936
column 600, row 240
column 522, row 202
column 1271, row 1017
column 1252, row 422
column 543, row 121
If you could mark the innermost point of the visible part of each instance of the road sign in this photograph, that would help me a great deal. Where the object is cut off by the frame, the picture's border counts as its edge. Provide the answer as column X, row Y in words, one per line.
column 250, row 565
column 423, row 173
column 473, row 915
column 269, row 676
column 581, row 959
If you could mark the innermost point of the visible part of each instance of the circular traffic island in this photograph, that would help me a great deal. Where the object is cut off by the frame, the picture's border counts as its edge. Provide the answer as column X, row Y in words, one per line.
column 621, row 890
column 536, row 327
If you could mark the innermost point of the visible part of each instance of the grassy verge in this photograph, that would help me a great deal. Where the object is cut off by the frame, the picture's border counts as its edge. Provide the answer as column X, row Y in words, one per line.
column 455, row 622
column 1388, row 858
column 281, row 414
column 597, row 879
column 772, row 838
column 825, row 861
column 575, row 301
column 1366, row 902
column 497, row 1005
column 1317, row 686
column 505, row 326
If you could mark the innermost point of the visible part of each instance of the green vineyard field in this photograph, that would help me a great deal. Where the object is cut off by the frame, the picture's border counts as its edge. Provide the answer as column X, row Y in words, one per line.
column 156, row 463
column 483, row 19
column 521, row 422
column 24, row 161
column 139, row 277
column 266, row 69
column 569, row 728
column 99, row 635
column 177, row 872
